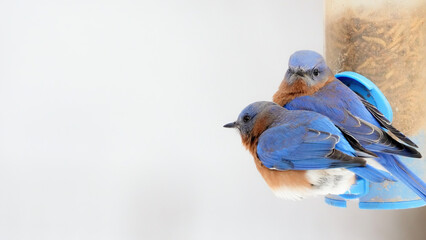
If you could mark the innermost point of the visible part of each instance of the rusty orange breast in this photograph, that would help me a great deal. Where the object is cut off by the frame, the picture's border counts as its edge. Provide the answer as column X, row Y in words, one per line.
column 277, row 179
column 287, row 93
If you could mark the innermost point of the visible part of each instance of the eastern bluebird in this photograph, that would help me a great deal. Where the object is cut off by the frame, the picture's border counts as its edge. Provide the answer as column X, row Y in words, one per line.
column 309, row 84
column 301, row 153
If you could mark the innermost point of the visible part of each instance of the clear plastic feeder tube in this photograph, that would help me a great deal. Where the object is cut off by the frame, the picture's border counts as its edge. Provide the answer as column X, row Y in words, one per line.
column 385, row 41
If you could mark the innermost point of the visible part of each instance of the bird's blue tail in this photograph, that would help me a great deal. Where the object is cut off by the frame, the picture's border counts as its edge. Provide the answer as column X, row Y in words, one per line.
column 371, row 174
column 405, row 175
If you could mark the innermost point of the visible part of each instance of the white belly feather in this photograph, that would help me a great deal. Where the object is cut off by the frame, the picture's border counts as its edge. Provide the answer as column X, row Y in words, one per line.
column 327, row 181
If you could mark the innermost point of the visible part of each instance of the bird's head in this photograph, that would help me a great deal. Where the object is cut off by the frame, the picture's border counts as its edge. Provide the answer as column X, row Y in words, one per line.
column 248, row 118
column 307, row 66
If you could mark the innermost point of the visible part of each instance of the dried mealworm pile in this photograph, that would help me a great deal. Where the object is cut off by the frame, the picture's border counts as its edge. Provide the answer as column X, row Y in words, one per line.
column 390, row 50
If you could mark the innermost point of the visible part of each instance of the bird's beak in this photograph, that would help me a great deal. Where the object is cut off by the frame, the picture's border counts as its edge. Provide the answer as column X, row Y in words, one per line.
column 300, row 73
column 230, row 125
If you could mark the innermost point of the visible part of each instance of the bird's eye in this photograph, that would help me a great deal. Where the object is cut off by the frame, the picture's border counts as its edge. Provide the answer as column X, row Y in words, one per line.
column 246, row 118
column 316, row 72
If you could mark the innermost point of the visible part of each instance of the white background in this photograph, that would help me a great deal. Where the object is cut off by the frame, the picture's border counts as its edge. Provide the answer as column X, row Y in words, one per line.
column 111, row 117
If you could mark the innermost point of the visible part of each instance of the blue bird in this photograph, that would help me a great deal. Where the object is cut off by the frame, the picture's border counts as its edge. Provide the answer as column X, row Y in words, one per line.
column 302, row 153
column 310, row 85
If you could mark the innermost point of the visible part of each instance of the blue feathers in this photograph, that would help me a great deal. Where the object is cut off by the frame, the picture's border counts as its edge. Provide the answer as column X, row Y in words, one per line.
column 400, row 171
column 305, row 59
column 302, row 140
column 304, row 143
column 372, row 174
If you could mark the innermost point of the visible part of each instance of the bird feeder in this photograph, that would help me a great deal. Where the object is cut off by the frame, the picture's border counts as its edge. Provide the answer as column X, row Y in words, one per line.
column 382, row 41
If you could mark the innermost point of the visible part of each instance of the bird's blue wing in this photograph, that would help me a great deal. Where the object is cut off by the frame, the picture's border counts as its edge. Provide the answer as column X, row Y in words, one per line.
column 385, row 123
column 374, row 138
column 350, row 114
column 296, row 147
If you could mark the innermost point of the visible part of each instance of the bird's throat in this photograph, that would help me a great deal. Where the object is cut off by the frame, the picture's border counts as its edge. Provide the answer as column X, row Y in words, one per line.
column 287, row 92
